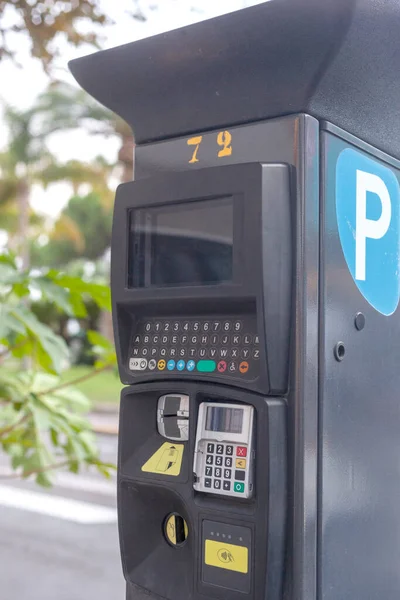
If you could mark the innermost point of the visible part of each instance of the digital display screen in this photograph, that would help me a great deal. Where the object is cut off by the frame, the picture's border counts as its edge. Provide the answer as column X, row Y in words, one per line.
column 183, row 244
column 225, row 420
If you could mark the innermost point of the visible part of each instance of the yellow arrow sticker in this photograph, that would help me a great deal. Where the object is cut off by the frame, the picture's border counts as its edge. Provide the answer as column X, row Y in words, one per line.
column 166, row 461
column 227, row 556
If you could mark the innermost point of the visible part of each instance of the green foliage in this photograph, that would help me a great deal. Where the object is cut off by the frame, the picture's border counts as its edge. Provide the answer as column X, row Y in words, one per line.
column 42, row 419
column 83, row 230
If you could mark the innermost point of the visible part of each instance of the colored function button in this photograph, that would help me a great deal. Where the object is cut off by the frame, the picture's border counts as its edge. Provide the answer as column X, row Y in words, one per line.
column 238, row 487
column 137, row 364
column 152, row 364
column 240, row 475
column 241, row 451
column 190, row 365
column 171, row 365
column 244, row 367
column 241, row 463
column 161, row 365
column 180, row 365
column 206, row 366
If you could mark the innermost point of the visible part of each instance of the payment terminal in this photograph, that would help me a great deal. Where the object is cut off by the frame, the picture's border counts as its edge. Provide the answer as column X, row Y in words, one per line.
column 223, row 457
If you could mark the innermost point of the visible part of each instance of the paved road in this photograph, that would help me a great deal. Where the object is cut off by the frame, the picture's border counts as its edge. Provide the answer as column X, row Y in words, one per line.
column 62, row 544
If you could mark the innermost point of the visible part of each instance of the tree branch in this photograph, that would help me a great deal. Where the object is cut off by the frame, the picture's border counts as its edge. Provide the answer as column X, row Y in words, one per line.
column 26, row 474
column 10, row 428
column 75, row 381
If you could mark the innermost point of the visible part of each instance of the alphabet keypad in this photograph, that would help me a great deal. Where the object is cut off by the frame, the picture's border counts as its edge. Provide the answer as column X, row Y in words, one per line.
column 214, row 346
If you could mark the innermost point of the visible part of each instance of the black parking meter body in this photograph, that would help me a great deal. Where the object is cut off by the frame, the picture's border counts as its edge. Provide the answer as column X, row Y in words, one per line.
column 255, row 283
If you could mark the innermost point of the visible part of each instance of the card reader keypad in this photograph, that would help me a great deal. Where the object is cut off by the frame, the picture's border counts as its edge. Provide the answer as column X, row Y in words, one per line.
column 225, row 467
column 227, row 347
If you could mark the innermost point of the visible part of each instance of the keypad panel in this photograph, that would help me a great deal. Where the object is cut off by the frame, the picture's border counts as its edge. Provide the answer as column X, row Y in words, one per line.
column 214, row 346
column 226, row 467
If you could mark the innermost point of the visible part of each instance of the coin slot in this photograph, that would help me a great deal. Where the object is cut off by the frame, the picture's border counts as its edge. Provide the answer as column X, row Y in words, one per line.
column 176, row 530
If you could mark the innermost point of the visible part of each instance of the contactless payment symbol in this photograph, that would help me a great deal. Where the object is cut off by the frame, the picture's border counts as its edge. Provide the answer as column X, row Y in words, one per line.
column 368, row 217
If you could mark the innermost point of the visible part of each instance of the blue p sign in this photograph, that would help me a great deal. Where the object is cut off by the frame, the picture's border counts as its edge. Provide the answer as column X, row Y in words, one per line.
column 368, row 216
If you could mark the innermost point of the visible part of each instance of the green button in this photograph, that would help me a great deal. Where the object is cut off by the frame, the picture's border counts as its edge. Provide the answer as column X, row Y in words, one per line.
column 238, row 487
column 206, row 366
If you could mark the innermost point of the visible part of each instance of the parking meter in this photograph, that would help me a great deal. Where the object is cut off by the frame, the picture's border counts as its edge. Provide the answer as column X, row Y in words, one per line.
column 255, row 285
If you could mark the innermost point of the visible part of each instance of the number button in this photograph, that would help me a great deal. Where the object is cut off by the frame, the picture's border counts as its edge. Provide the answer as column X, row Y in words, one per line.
column 217, row 472
column 217, row 484
column 229, row 450
column 147, row 327
column 216, row 326
column 228, row 461
column 175, row 326
column 237, row 326
column 196, row 326
column 206, row 326
column 209, row 459
column 186, row 326
column 167, row 326
column 208, row 471
column 227, row 326
column 227, row 473
column 207, row 483
column 210, row 448
column 218, row 461
column 220, row 448
column 157, row 326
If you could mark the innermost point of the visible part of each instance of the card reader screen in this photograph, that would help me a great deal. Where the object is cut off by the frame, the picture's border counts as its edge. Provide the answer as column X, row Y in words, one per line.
column 182, row 244
column 225, row 420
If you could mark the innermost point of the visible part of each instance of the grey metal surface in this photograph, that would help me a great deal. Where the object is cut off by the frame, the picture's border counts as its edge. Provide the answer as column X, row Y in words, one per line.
column 359, row 529
column 303, row 399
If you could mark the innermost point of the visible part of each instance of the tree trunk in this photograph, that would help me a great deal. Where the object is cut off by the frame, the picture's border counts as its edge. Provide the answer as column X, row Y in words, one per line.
column 23, row 198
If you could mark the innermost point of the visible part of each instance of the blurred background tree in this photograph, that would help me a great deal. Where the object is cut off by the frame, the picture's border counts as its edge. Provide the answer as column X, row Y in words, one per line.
column 44, row 21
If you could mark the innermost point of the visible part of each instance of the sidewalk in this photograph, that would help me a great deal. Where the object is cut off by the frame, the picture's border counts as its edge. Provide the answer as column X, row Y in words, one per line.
column 105, row 420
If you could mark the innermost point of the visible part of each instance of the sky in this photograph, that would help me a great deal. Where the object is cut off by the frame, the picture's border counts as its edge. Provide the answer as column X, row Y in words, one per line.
column 20, row 85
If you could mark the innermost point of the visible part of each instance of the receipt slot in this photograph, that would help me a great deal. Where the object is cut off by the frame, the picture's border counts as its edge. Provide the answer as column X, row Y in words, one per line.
column 255, row 286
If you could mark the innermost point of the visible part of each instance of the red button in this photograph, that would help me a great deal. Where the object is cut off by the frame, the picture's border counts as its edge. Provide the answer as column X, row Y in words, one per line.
column 241, row 451
column 221, row 366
